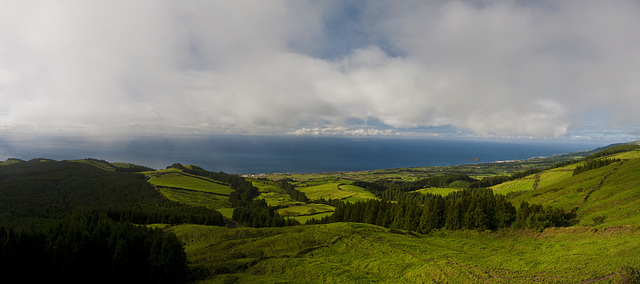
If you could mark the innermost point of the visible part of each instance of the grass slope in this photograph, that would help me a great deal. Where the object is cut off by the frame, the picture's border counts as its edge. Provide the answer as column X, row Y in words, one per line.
column 336, row 190
column 361, row 253
column 10, row 161
column 192, row 190
column 177, row 179
column 305, row 209
column 103, row 165
column 601, row 197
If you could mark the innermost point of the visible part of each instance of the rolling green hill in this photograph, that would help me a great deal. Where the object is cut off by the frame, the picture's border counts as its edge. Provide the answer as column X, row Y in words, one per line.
column 339, row 191
column 69, row 221
column 605, row 196
column 37, row 192
column 361, row 253
column 188, row 189
column 10, row 162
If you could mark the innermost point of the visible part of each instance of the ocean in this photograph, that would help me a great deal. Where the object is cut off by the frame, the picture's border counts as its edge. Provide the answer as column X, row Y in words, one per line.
column 286, row 154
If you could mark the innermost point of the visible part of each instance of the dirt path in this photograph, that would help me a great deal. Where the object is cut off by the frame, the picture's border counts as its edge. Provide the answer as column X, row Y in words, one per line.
column 536, row 181
column 154, row 186
column 599, row 185
column 599, row 278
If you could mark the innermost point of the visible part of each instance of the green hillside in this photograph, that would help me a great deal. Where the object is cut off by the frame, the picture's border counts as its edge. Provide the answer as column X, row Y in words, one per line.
column 70, row 222
column 435, row 225
column 10, row 161
column 601, row 197
column 599, row 248
column 361, row 253
column 339, row 191
column 34, row 193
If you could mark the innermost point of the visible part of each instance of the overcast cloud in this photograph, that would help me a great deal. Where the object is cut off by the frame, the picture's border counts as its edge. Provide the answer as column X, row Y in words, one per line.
column 494, row 68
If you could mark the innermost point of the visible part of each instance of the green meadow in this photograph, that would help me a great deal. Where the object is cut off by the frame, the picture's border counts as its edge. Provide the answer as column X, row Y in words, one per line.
column 602, row 197
column 361, row 253
column 438, row 190
column 178, row 179
column 192, row 190
column 305, row 209
column 336, row 190
column 195, row 198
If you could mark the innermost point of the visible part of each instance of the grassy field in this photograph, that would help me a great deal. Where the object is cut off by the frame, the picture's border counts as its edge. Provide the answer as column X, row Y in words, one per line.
column 522, row 184
column 273, row 194
column 97, row 164
column 195, row 198
column 359, row 193
column 192, row 190
column 335, row 190
column 627, row 155
column 478, row 171
column 267, row 186
column 605, row 196
column 326, row 191
column 10, row 162
column 305, row 209
column 304, row 218
column 360, row 253
column 178, row 179
column 277, row 199
column 438, row 190
column 226, row 212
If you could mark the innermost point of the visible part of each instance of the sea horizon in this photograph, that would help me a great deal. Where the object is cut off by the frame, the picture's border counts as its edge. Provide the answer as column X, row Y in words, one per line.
column 244, row 154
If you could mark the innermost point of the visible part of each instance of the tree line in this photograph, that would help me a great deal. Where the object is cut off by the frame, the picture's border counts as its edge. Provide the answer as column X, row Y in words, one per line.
column 92, row 248
column 291, row 190
column 613, row 150
column 258, row 214
column 495, row 180
column 594, row 164
column 243, row 193
column 477, row 209
column 437, row 181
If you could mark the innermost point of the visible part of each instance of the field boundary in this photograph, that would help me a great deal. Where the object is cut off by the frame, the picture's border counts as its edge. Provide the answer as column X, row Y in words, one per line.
column 192, row 190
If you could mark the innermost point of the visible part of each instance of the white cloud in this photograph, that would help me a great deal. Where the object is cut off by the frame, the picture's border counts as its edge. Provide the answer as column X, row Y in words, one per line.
column 498, row 68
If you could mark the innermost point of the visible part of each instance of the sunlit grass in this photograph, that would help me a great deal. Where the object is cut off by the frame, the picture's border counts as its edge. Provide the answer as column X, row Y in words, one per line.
column 305, row 209
column 181, row 180
column 444, row 191
column 360, row 253
column 195, row 198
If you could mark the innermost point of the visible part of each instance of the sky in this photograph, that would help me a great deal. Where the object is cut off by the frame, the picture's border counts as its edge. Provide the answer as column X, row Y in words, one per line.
column 541, row 69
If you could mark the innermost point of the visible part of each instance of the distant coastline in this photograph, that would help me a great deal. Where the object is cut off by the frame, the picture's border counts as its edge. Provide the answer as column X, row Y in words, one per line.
column 291, row 154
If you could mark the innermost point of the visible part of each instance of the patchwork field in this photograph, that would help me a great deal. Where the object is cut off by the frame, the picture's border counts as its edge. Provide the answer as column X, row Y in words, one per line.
column 177, row 179
column 192, row 190
column 339, row 191
column 277, row 199
column 195, row 198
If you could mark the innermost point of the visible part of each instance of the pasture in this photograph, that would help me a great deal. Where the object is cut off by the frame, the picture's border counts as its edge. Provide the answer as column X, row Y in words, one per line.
column 336, row 190
column 305, row 209
column 178, row 179
column 444, row 191
column 361, row 253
